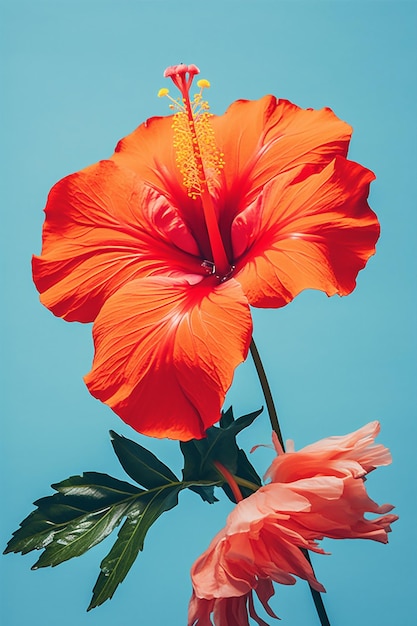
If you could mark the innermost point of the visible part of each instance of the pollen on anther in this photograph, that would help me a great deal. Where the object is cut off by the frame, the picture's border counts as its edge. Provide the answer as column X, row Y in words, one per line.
column 203, row 83
column 196, row 154
column 188, row 141
column 163, row 92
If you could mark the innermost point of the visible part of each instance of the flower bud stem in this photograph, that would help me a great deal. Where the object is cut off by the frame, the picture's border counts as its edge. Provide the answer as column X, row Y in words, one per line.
column 230, row 479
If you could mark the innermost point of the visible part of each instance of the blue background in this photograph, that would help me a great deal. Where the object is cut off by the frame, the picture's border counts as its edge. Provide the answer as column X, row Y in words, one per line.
column 77, row 76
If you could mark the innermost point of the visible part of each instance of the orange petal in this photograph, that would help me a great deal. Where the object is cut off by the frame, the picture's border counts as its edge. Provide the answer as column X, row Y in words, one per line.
column 149, row 152
column 166, row 352
column 265, row 137
column 316, row 233
column 97, row 236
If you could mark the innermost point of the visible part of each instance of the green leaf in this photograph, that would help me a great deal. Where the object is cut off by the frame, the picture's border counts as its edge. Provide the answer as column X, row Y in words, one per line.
column 221, row 441
column 219, row 445
column 140, row 464
column 84, row 511
column 193, row 471
column 82, row 534
column 95, row 487
column 226, row 418
column 118, row 562
column 206, row 493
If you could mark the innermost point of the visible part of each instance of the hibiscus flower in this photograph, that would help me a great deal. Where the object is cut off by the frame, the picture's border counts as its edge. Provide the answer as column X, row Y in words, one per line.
column 193, row 219
column 316, row 492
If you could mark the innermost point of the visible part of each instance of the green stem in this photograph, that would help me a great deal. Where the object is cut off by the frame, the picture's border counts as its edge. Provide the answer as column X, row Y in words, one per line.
column 317, row 599
column 273, row 418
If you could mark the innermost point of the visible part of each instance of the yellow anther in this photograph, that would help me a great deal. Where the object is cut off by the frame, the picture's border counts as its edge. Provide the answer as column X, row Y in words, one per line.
column 163, row 92
column 196, row 154
column 200, row 139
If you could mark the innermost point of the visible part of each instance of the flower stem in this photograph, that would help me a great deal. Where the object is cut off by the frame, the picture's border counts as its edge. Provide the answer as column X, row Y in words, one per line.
column 317, row 599
column 273, row 418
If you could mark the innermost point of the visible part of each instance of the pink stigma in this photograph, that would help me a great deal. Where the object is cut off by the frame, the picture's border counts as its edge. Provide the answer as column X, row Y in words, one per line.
column 178, row 75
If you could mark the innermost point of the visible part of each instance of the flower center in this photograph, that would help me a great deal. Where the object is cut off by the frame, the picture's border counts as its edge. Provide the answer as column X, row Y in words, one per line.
column 197, row 155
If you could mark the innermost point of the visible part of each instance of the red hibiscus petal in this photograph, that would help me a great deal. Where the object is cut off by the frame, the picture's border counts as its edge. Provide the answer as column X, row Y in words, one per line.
column 246, row 227
column 259, row 139
column 167, row 222
column 97, row 237
column 149, row 151
column 316, row 233
column 166, row 352
column 265, row 137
